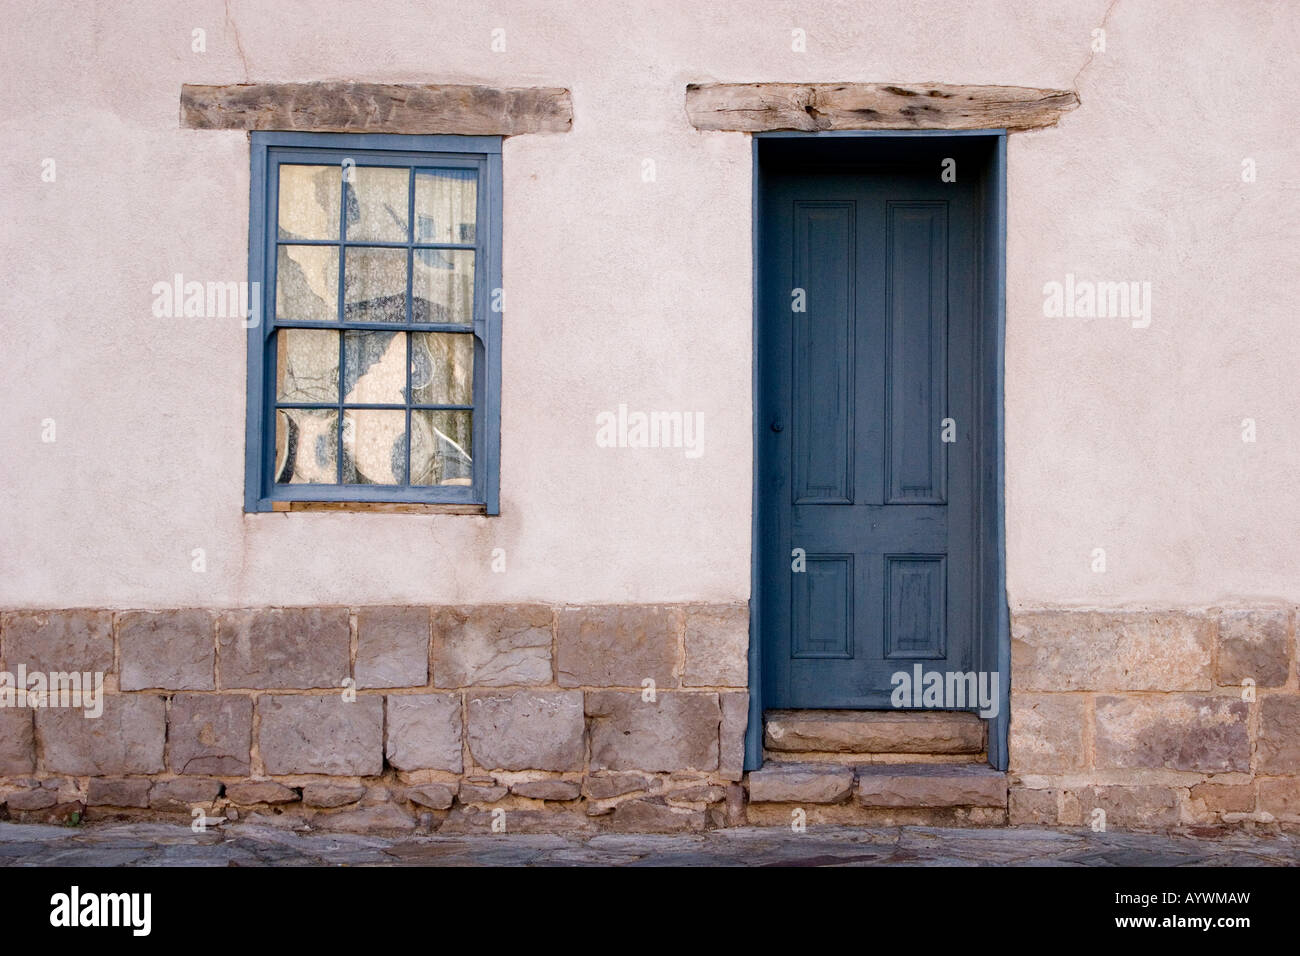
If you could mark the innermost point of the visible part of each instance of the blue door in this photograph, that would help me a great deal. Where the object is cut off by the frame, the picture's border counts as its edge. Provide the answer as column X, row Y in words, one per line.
column 867, row 351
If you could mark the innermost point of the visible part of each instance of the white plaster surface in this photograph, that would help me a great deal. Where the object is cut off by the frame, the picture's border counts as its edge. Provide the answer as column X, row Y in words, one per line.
column 623, row 291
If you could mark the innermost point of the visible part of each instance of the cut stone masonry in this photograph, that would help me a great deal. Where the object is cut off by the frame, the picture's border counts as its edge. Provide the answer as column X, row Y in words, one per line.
column 631, row 717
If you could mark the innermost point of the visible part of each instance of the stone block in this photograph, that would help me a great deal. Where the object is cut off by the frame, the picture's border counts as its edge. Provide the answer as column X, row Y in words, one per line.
column 654, row 815
column 492, row 645
column 825, row 783
column 435, row 796
column 183, row 794
column 1111, row 651
column 1174, row 732
column 127, row 738
column 424, row 732
column 717, row 645
column 703, row 793
column 321, row 734
column 873, row 732
column 1225, row 797
column 527, row 730
column 930, row 785
column 118, row 792
column 731, row 741
column 210, row 734
column 252, row 792
column 392, row 647
column 1280, row 796
column 548, row 789
column 17, row 741
column 1032, row 807
column 735, row 814
column 617, row 645
column 168, row 650
column 1279, row 734
column 52, row 641
column 1046, row 732
column 283, row 648
column 1255, row 645
column 39, row 799
column 605, row 786
column 676, row 731
column 1134, row 806
column 475, row 793
column 331, row 795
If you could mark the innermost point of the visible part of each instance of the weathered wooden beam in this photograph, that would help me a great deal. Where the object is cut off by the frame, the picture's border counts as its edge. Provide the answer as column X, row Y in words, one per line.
column 759, row 107
column 377, row 108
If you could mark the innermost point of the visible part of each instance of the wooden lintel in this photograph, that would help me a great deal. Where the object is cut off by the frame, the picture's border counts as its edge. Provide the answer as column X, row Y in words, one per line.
column 811, row 107
column 377, row 108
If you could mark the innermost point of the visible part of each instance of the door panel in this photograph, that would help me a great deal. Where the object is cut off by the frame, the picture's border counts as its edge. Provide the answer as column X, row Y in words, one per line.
column 866, row 345
column 822, row 407
column 916, row 287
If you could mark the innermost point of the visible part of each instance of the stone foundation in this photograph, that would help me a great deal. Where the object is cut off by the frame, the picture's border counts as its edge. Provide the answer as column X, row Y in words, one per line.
column 386, row 718
column 1156, row 719
column 558, row 719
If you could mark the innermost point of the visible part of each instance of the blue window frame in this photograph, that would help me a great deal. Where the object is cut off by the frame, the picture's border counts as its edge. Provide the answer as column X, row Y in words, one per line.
column 374, row 351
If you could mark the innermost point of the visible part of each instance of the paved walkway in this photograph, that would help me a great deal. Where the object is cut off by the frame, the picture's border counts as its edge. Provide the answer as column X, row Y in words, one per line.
column 252, row 844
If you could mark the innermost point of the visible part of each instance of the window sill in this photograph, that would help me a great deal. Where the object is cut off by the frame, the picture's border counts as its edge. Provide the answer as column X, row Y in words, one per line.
column 381, row 507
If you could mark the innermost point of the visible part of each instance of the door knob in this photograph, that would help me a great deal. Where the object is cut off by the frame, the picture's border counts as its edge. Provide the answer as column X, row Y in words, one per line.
column 777, row 426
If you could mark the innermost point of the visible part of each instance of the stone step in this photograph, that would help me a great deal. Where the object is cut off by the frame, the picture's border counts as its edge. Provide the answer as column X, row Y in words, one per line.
column 930, row 785
column 894, row 786
column 800, row 783
column 868, row 732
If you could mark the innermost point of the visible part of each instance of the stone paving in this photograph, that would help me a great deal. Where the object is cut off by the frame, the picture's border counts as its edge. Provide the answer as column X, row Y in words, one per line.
column 257, row 844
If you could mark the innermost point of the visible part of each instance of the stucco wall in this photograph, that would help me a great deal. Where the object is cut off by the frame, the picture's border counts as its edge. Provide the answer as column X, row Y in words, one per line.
column 623, row 291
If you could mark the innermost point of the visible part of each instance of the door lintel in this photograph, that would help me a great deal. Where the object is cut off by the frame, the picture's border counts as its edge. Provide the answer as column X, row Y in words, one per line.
column 823, row 107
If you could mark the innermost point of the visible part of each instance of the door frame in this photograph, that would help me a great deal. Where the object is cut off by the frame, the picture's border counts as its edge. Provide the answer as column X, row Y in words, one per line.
column 994, row 641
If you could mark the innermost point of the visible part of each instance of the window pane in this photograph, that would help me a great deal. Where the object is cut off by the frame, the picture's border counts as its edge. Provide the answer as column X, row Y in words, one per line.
column 441, row 448
column 309, row 202
column 442, row 288
column 307, row 283
column 446, row 205
column 306, row 446
column 374, row 368
column 374, row 447
column 374, row 285
column 378, row 204
column 442, row 368
column 307, row 365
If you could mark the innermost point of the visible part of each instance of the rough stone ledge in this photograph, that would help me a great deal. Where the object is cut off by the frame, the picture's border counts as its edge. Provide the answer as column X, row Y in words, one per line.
column 377, row 108
column 760, row 107
column 801, row 783
column 854, row 814
column 777, row 758
column 930, row 785
column 874, row 732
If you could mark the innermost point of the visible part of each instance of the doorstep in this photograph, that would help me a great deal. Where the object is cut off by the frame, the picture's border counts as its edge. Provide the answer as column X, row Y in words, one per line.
column 910, row 794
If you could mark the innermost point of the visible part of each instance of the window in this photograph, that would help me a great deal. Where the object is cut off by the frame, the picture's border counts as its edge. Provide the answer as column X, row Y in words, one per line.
column 374, row 363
